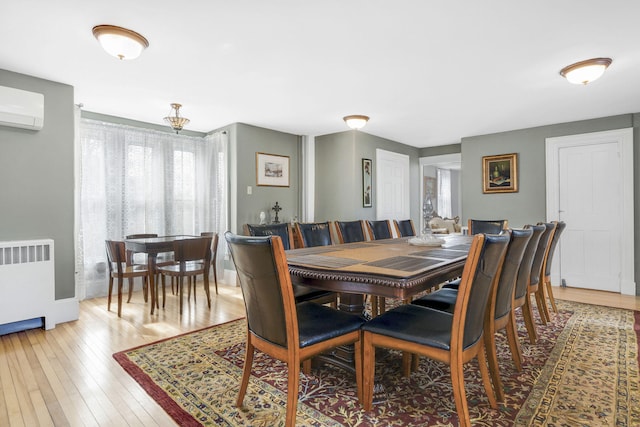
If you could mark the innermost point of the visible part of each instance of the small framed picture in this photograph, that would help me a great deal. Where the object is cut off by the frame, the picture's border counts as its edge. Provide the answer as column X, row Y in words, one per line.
column 366, row 183
column 500, row 173
column 272, row 170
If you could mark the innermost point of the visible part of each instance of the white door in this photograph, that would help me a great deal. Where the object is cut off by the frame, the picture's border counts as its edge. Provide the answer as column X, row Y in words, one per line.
column 392, row 185
column 591, row 188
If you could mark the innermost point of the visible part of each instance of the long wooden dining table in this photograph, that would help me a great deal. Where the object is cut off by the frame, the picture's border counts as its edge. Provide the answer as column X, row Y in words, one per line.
column 391, row 268
column 152, row 246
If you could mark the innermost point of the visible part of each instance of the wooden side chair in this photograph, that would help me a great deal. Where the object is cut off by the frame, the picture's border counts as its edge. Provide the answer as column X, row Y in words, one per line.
column 452, row 339
column 301, row 292
column 276, row 324
column 120, row 269
column 404, row 228
column 379, row 230
column 521, row 294
column 193, row 258
column 546, row 267
column 351, row 231
column 489, row 226
column 537, row 274
column 499, row 314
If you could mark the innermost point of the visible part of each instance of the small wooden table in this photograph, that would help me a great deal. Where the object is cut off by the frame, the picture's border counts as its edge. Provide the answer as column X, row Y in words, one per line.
column 152, row 246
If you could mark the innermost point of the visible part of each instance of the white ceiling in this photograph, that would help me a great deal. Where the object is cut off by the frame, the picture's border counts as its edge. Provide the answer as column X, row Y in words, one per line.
column 426, row 72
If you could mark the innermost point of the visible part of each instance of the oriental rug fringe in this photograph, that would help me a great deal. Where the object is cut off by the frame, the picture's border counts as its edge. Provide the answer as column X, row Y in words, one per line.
column 582, row 372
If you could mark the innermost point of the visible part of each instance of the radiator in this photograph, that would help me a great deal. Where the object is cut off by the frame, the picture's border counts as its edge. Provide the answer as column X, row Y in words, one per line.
column 27, row 285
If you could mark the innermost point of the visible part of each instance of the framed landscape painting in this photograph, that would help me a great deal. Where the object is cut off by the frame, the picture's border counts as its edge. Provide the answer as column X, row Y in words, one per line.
column 500, row 173
column 272, row 170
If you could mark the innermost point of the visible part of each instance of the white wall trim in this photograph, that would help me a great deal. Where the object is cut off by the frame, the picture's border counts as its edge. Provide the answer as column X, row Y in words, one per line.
column 63, row 310
column 624, row 138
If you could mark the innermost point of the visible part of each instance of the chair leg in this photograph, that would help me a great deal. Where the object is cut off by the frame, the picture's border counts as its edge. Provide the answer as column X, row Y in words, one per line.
column 109, row 294
column 215, row 277
column 459, row 395
column 514, row 342
column 527, row 314
column 552, row 300
column 130, row 289
column 180, row 283
column 120, row 296
column 206, row 289
column 484, row 372
column 358, row 366
column 246, row 372
column 541, row 304
column 145, row 288
column 292, row 392
column 374, row 306
column 368, row 370
column 164, row 291
column 494, row 369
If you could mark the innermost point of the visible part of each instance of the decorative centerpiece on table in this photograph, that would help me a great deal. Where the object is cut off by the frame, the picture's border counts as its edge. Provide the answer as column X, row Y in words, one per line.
column 427, row 238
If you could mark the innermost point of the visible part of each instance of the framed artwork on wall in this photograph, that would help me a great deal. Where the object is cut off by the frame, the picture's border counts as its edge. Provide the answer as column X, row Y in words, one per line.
column 500, row 173
column 272, row 170
column 366, row 183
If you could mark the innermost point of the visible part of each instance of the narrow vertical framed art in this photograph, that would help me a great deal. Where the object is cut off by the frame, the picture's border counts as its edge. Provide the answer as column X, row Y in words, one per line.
column 367, row 183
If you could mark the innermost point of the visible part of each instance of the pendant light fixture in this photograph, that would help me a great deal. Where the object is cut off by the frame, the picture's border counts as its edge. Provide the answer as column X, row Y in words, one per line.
column 176, row 121
column 120, row 42
column 584, row 72
column 356, row 121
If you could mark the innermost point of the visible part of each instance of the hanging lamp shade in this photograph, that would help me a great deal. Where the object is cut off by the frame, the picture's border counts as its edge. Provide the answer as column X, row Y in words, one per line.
column 120, row 42
column 176, row 121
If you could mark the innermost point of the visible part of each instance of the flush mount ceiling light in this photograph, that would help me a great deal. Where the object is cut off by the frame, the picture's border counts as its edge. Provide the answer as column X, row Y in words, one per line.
column 356, row 121
column 584, row 72
column 120, row 42
column 176, row 121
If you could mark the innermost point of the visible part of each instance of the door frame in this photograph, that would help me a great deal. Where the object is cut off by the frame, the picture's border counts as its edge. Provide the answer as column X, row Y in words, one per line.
column 446, row 161
column 624, row 139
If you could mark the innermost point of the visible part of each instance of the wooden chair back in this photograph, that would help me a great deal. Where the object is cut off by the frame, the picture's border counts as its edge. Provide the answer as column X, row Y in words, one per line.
column 350, row 231
column 380, row 229
column 314, row 234
column 404, row 228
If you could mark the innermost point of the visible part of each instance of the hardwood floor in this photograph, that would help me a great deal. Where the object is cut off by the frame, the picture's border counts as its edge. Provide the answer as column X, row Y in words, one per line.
column 68, row 377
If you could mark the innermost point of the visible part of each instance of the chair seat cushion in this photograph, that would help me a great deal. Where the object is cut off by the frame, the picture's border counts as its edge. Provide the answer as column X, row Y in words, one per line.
column 454, row 284
column 305, row 293
column 413, row 323
column 443, row 300
column 318, row 323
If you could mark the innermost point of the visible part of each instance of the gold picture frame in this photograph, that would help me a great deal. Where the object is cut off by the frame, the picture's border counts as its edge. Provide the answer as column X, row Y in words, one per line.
column 272, row 170
column 500, row 173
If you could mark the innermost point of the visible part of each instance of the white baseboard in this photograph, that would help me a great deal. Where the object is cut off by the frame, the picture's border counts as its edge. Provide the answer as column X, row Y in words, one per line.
column 62, row 310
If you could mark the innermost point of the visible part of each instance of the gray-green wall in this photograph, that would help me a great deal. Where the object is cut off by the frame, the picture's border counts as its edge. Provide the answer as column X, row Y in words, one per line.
column 36, row 171
column 338, row 175
column 528, row 205
column 245, row 142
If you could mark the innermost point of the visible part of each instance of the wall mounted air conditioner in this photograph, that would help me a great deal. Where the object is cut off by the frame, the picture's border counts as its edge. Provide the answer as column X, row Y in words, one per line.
column 21, row 109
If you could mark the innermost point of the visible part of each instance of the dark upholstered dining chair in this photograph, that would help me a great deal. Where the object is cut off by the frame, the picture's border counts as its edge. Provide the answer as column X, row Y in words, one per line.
column 404, row 228
column 521, row 297
column 451, row 339
column 545, row 280
column 301, row 292
column 489, row 226
column 537, row 274
column 120, row 269
column 279, row 327
column 350, row 231
column 283, row 230
column 499, row 313
column 380, row 229
column 314, row 234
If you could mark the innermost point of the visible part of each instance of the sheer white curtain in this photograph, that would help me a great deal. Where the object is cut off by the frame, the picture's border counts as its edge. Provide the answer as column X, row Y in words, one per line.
column 444, row 192
column 137, row 180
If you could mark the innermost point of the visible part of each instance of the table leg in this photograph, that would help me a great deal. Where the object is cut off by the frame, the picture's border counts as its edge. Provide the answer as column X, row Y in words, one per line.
column 151, row 266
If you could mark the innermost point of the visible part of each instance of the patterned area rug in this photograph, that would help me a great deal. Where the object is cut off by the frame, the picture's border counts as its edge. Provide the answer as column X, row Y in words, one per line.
column 582, row 372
